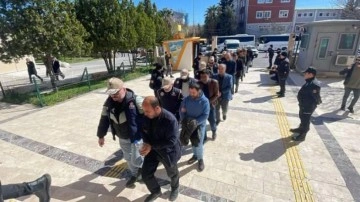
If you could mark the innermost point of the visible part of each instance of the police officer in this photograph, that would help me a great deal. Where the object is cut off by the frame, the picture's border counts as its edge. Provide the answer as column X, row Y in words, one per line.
column 309, row 98
column 283, row 71
column 122, row 112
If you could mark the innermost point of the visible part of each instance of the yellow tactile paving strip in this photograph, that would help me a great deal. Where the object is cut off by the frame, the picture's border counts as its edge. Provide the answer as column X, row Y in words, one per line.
column 298, row 176
column 117, row 169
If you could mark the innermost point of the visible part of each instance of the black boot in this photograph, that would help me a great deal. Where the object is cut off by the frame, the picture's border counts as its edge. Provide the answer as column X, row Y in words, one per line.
column 300, row 137
column 295, row 130
column 1, row 196
column 41, row 188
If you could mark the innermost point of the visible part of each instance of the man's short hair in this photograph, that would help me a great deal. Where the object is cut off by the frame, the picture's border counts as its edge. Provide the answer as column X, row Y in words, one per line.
column 222, row 64
column 152, row 101
column 204, row 71
column 194, row 86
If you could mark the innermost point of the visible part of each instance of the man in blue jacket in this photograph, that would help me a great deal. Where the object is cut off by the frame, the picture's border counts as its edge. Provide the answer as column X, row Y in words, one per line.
column 225, row 84
column 122, row 112
column 161, row 144
column 196, row 106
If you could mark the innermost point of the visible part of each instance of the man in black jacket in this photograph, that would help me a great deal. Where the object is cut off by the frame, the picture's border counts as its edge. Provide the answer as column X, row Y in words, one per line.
column 161, row 144
column 122, row 112
column 184, row 81
column 56, row 69
column 309, row 98
column 351, row 83
column 283, row 71
column 157, row 75
column 271, row 56
column 170, row 98
column 32, row 70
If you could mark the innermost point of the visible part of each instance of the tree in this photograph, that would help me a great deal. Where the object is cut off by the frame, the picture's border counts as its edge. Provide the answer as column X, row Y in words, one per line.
column 145, row 28
column 105, row 23
column 227, row 21
column 351, row 9
column 211, row 21
column 37, row 27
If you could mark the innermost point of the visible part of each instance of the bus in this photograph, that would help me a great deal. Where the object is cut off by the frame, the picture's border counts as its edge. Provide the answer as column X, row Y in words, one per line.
column 245, row 40
column 278, row 41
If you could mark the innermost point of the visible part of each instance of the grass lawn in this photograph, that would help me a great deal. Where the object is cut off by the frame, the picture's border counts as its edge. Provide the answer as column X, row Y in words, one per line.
column 69, row 91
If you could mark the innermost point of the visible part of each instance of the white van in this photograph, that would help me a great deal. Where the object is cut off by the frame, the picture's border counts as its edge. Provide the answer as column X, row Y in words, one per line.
column 232, row 44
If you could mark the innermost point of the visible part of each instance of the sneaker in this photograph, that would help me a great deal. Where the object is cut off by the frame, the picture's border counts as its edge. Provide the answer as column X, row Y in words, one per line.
column 152, row 197
column 280, row 95
column 174, row 194
column 214, row 135
column 224, row 117
column 192, row 160
column 131, row 182
column 351, row 110
column 201, row 165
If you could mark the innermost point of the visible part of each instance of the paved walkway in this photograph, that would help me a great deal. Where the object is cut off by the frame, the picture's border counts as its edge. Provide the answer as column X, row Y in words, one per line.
column 251, row 160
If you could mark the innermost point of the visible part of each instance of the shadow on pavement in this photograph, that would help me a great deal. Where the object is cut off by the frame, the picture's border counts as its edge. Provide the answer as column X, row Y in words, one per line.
column 331, row 117
column 270, row 151
column 260, row 99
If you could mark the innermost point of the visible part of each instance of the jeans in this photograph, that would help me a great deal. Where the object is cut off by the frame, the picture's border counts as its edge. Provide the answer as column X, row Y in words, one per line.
column 356, row 93
column 131, row 155
column 224, row 107
column 14, row 191
column 199, row 150
column 151, row 163
column 212, row 117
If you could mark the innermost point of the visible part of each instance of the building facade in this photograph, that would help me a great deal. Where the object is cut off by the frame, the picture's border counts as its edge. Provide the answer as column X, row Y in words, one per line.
column 303, row 16
column 259, row 17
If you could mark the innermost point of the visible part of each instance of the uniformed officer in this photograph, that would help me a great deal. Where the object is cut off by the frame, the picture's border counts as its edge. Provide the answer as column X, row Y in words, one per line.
column 157, row 75
column 309, row 98
column 283, row 71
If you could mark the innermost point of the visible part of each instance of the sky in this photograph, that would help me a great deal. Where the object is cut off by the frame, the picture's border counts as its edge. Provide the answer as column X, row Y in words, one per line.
column 201, row 6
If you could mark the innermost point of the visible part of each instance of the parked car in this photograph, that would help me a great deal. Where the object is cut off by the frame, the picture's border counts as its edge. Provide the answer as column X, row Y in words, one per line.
column 254, row 50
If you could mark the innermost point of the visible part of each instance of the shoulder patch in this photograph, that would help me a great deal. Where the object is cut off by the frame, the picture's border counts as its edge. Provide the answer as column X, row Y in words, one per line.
column 131, row 105
column 162, row 94
column 173, row 94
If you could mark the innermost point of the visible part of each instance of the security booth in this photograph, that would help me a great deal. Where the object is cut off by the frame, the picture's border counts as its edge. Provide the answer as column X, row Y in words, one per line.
column 329, row 45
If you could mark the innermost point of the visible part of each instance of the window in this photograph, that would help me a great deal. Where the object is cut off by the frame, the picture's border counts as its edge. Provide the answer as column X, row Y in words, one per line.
column 305, row 14
column 304, row 41
column 264, row 1
column 334, row 14
column 320, row 14
column 268, row 1
column 327, row 14
column 283, row 13
column 299, row 15
column 323, row 48
column 347, row 41
column 259, row 14
column 285, row 1
column 260, row 1
column 310, row 14
column 267, row 14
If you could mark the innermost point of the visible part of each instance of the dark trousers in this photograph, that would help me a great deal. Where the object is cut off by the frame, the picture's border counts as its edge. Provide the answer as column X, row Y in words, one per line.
column 305, row 116
column 14, row 191
column 356, row 93
column 30, row 78
column 151, row 162
column 282, row 82
column 270, row 61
